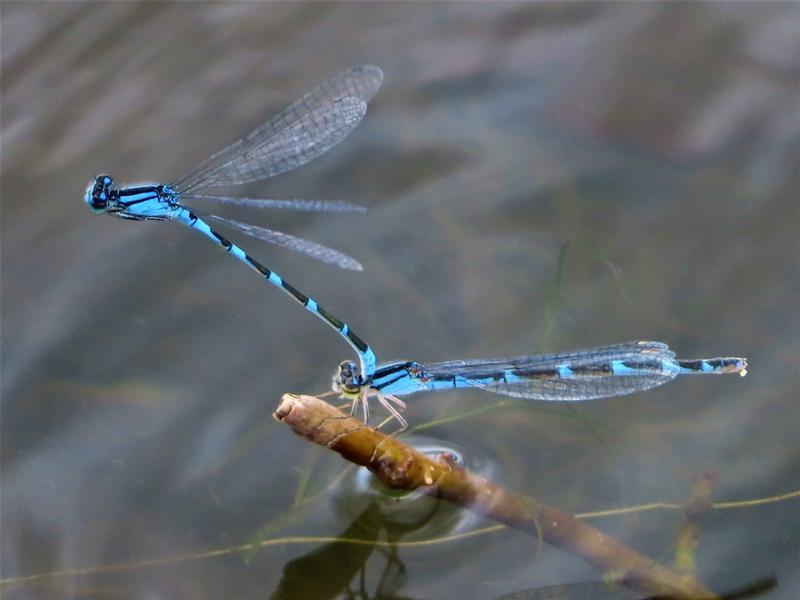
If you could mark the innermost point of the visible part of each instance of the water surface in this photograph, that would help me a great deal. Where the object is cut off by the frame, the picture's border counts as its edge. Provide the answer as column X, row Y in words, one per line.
column 539, row 177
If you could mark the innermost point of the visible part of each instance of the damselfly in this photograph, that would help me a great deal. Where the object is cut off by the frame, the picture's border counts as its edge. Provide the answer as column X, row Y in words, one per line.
column 301, row 132
column 588, row 374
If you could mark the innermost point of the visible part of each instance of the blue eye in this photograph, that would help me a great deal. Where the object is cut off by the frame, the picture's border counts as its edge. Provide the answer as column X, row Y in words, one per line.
column 107, row 180
column 103, row 196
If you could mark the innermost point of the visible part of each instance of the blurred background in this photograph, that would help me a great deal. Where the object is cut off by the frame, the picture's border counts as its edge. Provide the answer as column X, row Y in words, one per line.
column 539, row 177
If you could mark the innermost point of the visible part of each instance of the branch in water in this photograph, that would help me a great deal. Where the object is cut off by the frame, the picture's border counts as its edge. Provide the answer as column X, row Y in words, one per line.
column 402, row 467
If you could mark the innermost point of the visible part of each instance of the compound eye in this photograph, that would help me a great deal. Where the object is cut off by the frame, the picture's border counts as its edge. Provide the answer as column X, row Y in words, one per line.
column 348, row 370
column 99, row 200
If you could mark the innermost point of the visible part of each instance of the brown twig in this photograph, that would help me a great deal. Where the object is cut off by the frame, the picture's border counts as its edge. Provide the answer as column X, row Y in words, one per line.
column 403, row 467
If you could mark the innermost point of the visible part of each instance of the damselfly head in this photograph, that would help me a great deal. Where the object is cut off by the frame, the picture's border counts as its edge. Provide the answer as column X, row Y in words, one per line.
column 347, row 379
column 98, row 194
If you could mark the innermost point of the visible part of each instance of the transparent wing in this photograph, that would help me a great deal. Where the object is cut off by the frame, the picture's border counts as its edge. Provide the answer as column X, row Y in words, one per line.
column 302, row 141
column 290, row 242
column 357, row 83
column 589, row 373
column 289, row 204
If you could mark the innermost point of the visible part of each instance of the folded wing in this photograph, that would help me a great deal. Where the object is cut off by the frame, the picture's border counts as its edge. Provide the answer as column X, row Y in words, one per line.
column 586, row 374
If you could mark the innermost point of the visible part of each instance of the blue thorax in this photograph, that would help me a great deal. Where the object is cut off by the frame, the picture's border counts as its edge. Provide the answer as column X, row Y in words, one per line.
column 147, row 202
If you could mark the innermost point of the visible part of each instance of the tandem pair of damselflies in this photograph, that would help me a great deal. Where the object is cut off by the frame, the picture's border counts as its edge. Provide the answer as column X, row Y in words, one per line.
column 307, row 129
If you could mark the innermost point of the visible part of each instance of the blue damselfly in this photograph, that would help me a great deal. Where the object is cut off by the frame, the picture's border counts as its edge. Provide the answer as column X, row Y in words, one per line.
column 301, row 132
column 587, row 374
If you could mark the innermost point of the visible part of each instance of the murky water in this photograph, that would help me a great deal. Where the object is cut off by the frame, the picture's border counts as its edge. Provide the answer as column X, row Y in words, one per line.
column 539, row 176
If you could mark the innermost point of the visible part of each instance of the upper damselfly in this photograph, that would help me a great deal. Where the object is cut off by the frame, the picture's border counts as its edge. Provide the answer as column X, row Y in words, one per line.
column 301, row 132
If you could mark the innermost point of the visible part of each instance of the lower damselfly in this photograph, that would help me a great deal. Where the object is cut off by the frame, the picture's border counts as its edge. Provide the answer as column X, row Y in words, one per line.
column 587, row 374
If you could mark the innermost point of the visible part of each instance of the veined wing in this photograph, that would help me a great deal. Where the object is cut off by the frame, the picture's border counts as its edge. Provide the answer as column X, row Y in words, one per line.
column 330, row 206
column 358, row 83
column 290, row 242
column 310, row 136
column 586, row 374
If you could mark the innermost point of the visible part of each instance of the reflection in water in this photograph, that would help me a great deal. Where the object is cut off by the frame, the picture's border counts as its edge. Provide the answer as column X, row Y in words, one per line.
column 425, row 516
column 326, row 572
column 600, row 590
column 584, row 590
column 330, row 570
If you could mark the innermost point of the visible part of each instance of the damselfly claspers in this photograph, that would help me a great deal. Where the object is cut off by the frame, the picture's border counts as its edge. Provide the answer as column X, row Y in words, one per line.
column 587, row 374
column 301, row 132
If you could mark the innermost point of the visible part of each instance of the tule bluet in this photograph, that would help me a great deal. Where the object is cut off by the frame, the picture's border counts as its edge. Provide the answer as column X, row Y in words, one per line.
column 587, row 374
column 301, row 132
